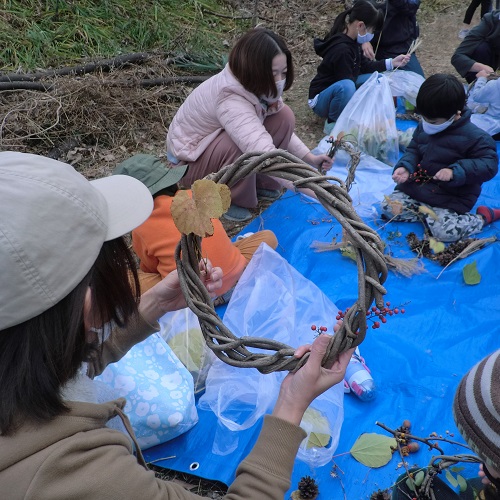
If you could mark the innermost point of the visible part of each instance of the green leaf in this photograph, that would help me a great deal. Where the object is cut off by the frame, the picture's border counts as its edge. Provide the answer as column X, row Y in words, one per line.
column 419, row 478
column 411, row 485
column 471, row 274
column 462, row 483
column 451, row 479
column 319, row 436
column 436, row 246
column 348, row 252
column 373, row 450
column 457, row 469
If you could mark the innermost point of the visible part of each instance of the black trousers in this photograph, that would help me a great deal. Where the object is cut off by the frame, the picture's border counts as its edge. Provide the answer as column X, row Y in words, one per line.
column 469, row 13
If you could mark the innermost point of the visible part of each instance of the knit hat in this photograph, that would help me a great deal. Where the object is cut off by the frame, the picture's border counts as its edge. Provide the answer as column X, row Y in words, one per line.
column 151, row 171
column 53, row 223
column 476, row 409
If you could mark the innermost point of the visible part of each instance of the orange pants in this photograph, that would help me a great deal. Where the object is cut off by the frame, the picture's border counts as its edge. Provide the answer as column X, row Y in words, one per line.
column 247, row 246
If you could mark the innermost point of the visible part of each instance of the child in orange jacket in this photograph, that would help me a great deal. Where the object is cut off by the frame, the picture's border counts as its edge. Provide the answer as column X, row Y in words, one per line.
column 156, row 239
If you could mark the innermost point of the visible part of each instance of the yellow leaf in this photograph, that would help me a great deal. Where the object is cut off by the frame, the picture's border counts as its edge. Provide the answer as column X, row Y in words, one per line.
column 428, row 211
column 193, row 215
column 396, row 206
column 319, row 436
column 436, row 246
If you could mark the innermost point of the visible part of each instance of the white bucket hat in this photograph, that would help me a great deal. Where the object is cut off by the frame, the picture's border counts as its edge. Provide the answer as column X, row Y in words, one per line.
column 53, row 223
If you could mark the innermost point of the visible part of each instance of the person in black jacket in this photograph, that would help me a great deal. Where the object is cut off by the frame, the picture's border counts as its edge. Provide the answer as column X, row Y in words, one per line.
column 439, row 177
column 399, row 31
column 481, row 48
column 469, row 14
column 343, row 60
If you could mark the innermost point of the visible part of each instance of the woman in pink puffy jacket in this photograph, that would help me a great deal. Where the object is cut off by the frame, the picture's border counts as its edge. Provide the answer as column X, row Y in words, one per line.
column 240, row 110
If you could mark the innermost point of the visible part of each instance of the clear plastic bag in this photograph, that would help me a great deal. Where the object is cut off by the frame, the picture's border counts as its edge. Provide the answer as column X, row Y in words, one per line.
column 181, row 330
column 369, row 120
column 272, row 300
column 405, row 84
column 372, row 181
column 239, row 397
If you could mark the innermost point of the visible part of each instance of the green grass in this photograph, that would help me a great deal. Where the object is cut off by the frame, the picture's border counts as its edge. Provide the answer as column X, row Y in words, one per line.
column 44, row 34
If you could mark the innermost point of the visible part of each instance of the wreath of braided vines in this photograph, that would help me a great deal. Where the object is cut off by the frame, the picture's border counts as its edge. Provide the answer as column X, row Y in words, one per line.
column 332, row 193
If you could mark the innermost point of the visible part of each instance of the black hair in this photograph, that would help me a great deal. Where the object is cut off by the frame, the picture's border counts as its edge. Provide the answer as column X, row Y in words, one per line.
column 440, row 96
column 362, row 10
column 168, row 191
column 251, row 61
column 38, row 357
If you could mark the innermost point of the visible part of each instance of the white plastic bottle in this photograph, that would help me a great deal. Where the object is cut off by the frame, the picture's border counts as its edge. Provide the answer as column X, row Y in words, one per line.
column 359, row 379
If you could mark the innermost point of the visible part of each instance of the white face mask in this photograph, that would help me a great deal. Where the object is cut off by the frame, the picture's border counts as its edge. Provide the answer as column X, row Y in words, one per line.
column 280, row 86
column 367, row 37
column 431, row 128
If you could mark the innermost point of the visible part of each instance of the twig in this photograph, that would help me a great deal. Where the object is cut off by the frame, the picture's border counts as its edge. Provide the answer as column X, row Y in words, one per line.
column 161, row 459
column 404, row 435
column 104, row 65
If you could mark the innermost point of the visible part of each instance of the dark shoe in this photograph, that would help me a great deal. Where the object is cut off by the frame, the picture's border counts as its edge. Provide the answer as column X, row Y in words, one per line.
column 237, row 214
column 269, row 194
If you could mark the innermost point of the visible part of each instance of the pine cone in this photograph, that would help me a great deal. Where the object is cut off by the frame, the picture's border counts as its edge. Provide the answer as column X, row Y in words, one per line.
column 308, row 488
column 380, row 495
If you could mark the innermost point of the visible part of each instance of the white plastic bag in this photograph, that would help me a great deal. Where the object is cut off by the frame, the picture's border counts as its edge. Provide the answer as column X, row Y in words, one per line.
column 405, row 84
column 182, row 332
column 369, row 120
column 273, row 300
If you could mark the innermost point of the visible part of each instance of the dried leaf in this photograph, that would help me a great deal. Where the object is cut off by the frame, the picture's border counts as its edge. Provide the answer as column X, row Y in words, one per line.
column 320, row 436
column 373, row 450
column 428, row 211
column 193, row 215
column 436, row 246
column 471, row 274
column 396, row 206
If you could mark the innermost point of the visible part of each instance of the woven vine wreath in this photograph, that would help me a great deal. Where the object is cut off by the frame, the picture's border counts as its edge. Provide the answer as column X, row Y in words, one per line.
column 332, row 193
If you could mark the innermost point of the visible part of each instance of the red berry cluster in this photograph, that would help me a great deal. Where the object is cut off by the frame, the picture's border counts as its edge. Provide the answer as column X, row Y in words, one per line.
column 319, row 329
column 420, row 176
column 381, row 314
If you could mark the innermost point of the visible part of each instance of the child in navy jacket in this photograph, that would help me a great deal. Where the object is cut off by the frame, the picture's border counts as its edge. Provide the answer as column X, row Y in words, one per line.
column 444, row 166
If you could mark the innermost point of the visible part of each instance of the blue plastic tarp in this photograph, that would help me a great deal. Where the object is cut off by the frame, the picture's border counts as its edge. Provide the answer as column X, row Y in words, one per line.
column 416, row 359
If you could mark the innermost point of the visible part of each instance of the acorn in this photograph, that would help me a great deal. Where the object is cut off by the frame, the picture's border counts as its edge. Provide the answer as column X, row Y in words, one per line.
column 406, row 423
column 413, row 447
